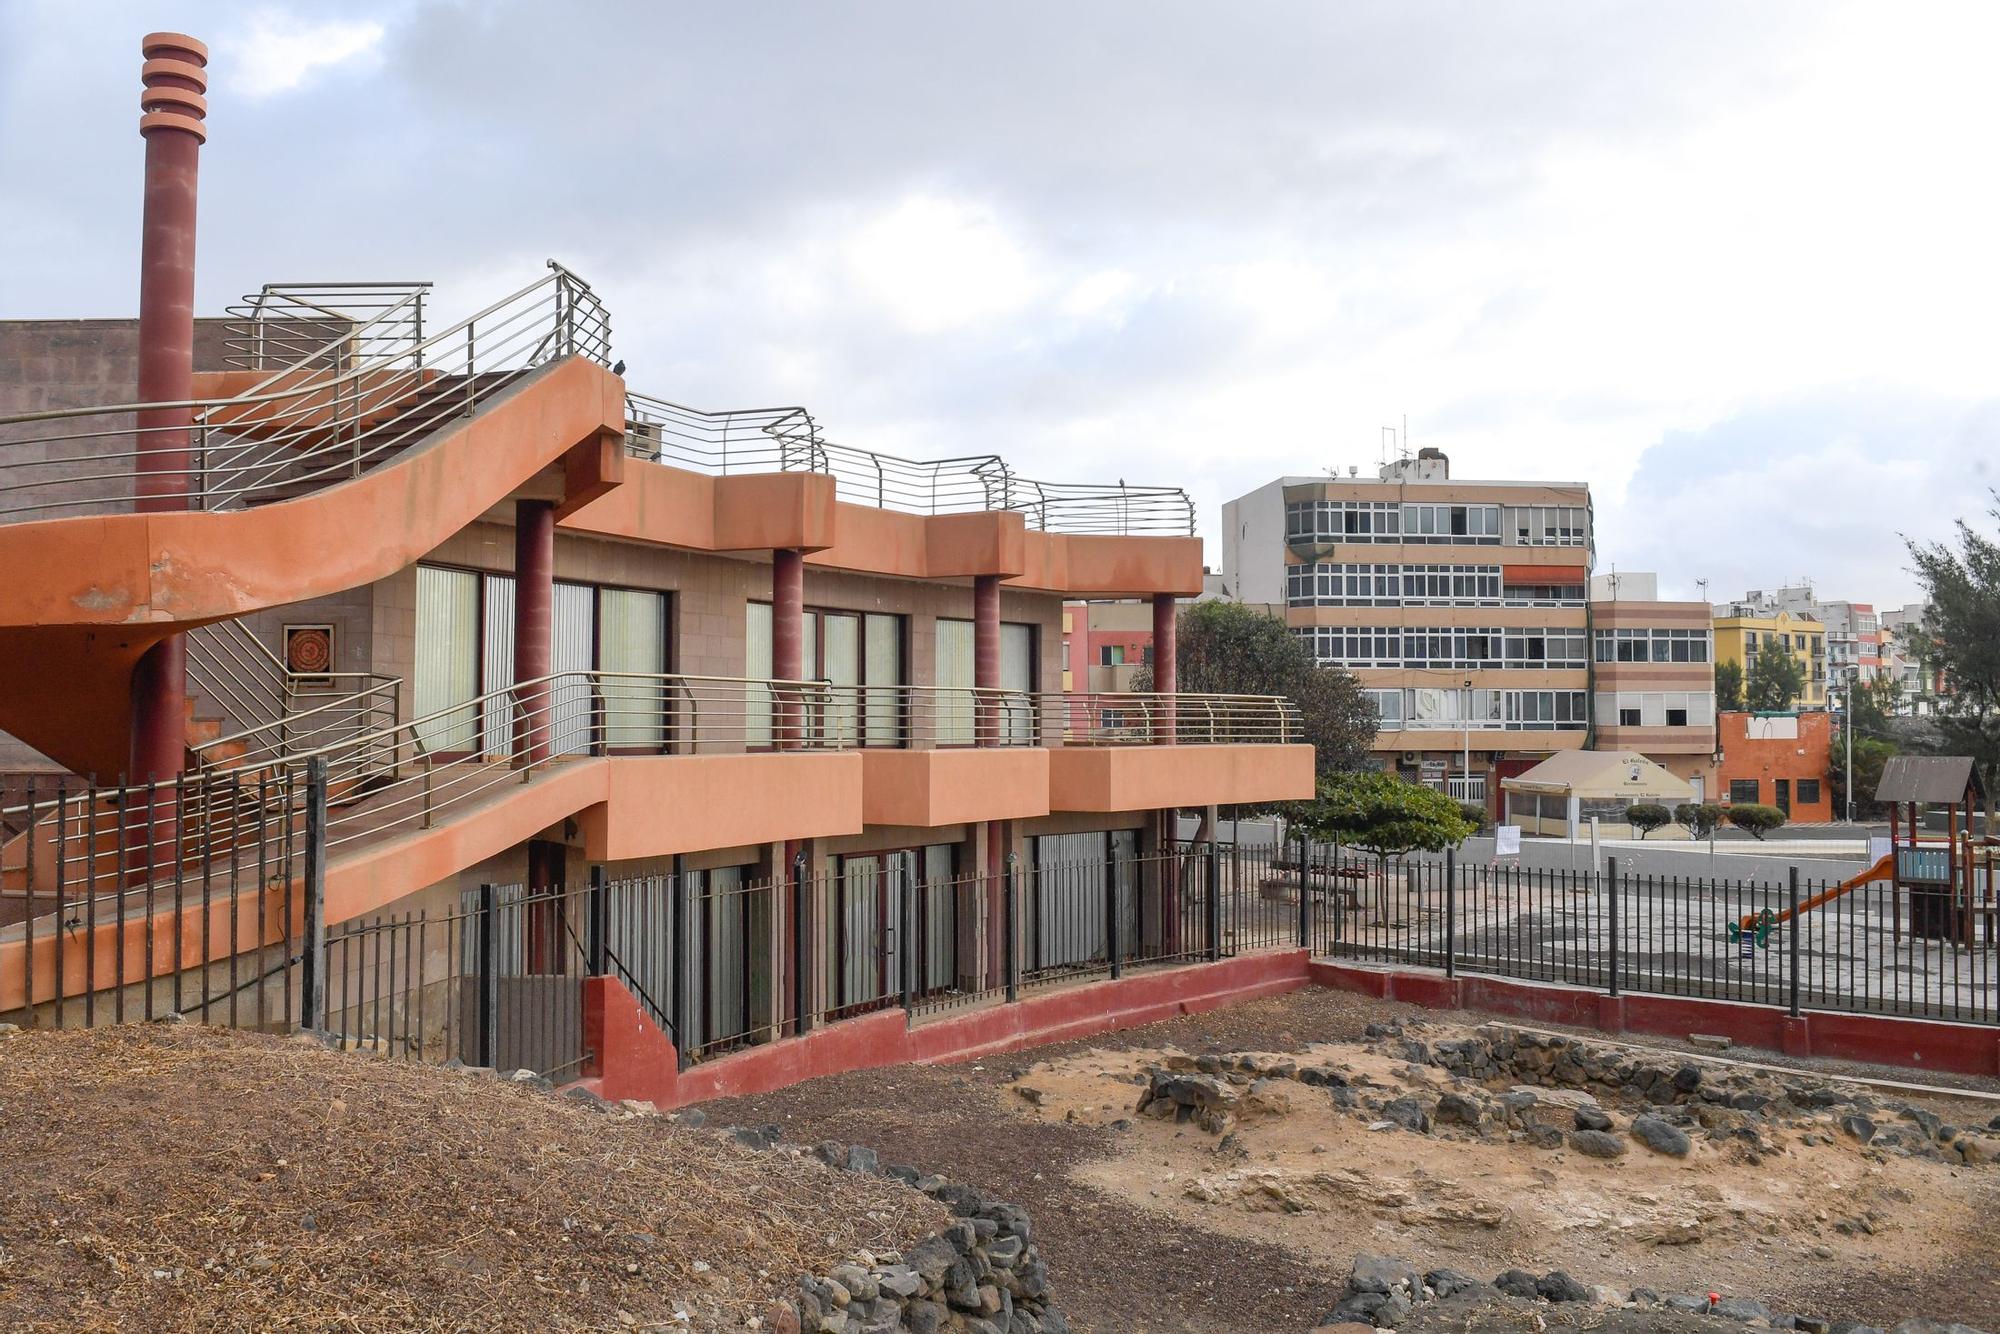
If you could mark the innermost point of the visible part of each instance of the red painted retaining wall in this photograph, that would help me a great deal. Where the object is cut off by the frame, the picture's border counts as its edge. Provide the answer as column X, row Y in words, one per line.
column 1924, row 1044
column 634, row 1059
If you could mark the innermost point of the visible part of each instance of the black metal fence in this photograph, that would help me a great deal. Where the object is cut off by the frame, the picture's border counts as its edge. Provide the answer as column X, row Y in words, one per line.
column 1796, row 943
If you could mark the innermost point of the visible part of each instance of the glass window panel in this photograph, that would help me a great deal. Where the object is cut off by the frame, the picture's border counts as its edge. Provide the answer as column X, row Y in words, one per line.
column 497, row 664
column 953, row 675
column 883, row 652
column 447, row 668
column 840, row 668
column 632, row 638
column 757, row 666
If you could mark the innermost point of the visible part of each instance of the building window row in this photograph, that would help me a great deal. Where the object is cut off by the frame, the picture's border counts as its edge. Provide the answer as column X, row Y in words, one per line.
column 1452, row 647
column 1334, row 584
column 1656, row 708
column 1444, row 708
column 1652, row 645
column 1547, row 525
column 1429, row 521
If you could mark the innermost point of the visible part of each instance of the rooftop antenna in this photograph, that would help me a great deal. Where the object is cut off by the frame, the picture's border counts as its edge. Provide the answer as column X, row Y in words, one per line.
column 1702, row 584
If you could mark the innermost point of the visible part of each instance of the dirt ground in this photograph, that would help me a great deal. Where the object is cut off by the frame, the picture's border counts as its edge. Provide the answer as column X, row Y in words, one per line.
column 1150, row 1224
column 182, row 1177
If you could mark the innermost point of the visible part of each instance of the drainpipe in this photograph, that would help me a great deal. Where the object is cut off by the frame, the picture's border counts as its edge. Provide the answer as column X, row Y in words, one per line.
column 172, row 108
column 534, row 625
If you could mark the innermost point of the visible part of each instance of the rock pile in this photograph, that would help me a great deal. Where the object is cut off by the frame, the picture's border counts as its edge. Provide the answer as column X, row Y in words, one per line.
column 1550, row 1099
column 981, row 1275
column 1214, row 1091
column 1381, row 1292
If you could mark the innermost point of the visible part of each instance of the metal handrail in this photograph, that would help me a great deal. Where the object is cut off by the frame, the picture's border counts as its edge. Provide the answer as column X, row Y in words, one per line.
column 332, row 424
column 408, row 775
column 251, row 342
column 787, row 439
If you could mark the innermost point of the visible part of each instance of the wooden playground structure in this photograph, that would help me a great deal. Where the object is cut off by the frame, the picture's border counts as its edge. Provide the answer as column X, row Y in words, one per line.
column 1948, row 877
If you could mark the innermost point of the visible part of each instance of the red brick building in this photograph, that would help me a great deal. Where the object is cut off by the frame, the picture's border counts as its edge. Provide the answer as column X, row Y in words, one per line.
column 1777, row 759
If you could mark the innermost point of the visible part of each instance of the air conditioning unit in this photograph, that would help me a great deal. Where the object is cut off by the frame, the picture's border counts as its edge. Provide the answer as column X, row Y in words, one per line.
column 1413, row 757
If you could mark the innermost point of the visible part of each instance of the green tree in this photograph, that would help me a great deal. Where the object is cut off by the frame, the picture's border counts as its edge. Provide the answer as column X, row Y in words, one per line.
column 1755, row 820
column 1383, row 814
column 1699, row 818
column 1230, row 649
column 1729, row 685
column 1646, row 816
column 1963, row 630
column 1777, row 680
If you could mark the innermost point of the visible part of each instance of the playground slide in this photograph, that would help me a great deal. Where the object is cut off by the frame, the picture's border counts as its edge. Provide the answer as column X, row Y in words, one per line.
column 1882, row 870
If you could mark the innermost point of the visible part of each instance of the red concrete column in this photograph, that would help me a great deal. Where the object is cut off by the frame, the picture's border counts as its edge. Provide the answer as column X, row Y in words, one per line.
column 986, row 654
column 534, row 625
column 788, row 640
column 172, row 108
column 1166, row 668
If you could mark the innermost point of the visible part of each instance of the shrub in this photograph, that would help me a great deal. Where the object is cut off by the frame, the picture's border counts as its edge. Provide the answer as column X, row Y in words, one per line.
column 1646, row 816
column 1699, row 818
column 1756, row 820
column 1475, row 812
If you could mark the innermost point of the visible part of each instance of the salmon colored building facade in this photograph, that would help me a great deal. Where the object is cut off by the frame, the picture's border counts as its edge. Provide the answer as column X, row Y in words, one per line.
column 526, row 627
column 1778, row 759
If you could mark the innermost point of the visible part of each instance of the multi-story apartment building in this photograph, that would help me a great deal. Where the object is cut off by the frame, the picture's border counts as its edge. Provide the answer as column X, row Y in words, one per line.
column 1918, row 680
column 1743, row 630
column 1460, row 606
column 1853, row 633
column 1653, row 677
column 493, row 618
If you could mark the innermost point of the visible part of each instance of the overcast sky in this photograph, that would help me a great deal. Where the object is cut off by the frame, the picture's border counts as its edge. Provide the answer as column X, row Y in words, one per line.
column 1734, row 265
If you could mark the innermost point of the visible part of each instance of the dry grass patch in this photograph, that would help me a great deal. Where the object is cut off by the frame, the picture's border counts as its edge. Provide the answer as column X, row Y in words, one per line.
column 178, row 1177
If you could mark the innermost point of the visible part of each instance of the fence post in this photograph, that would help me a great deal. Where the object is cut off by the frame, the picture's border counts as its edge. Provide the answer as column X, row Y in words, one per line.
column 1792, row 944
column 1114, row 948
column 1611, row 916
column 599, row 921
column 907, row 905
column 1212, row 873
column 1451, row 912
column 677, row 972
column 1010, row 945
column 488, row 984
column 801, row 945
column 1305, row 892
column 312, row 979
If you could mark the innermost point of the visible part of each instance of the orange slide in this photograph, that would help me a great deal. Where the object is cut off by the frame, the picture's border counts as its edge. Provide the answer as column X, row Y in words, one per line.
column 1881, row 870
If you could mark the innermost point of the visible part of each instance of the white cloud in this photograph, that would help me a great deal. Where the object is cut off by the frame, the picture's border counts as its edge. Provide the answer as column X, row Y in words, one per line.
column 936, row 264
column 280, row 51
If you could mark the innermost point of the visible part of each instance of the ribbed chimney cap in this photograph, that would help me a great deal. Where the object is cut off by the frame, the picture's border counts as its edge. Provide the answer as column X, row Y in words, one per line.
column 161, row 43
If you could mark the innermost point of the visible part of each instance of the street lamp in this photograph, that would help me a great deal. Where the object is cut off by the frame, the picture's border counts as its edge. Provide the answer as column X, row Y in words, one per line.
column 1847, row 726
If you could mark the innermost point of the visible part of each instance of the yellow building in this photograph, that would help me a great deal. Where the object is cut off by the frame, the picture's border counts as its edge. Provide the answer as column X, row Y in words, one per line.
column 1745, row 632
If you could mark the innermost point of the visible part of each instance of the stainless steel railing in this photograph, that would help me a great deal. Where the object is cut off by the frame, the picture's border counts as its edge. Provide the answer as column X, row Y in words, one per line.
column 305, row 427
column 339, row 325
column 284, row 710
column 424, row 770
column 789, row 440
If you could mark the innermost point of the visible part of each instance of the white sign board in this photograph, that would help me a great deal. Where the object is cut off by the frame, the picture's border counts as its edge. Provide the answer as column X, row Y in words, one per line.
column 1507, row 840
column 1878, row 848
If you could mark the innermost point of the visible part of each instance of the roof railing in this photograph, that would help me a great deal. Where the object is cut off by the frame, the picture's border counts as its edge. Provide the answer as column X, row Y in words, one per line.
column 789, row 440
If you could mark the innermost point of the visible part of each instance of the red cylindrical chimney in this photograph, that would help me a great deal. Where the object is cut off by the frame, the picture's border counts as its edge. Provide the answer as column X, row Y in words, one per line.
column 172, row 109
